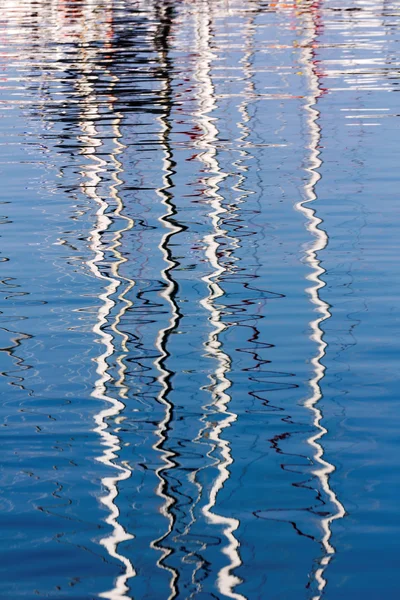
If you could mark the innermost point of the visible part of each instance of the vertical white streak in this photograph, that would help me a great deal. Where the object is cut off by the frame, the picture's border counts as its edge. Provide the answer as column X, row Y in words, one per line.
column 226, row 581
column 320, row 240
column 111, row 443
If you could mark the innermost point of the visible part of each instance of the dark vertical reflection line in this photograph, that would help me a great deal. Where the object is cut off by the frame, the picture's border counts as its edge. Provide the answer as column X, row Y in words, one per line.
column 309, row 18
column 165, row 13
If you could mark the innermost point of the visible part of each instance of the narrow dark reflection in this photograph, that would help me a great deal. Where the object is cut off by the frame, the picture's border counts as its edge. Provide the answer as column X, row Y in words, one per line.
column 180, row 502
column 171, row 227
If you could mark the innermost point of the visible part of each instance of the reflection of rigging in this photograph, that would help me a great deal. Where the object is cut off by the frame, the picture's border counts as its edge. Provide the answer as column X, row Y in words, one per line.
column 220, row 383
column 95, row 174
column 323, row 469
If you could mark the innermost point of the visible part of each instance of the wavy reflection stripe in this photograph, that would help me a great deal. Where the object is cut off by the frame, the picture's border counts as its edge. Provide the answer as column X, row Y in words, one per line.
column 226, row 580
column 320, row 241
column 19, row 364
column 128, row 283
column 115, row 406
column 168, row 294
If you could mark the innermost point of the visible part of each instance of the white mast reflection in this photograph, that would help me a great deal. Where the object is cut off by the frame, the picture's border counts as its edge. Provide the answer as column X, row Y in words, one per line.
column 226, row 581
column 93, row 174
column 320, row 241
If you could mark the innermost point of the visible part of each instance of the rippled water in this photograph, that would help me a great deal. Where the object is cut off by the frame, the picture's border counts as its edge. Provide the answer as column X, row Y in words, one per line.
column 200, row 319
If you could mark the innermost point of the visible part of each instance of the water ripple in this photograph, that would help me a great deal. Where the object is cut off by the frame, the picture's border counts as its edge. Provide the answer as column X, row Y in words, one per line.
column 198, row 339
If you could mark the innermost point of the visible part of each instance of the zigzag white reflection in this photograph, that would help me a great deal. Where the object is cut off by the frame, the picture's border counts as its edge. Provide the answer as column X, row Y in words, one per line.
column 226, row 581
column 324, row 469
column 109, row 440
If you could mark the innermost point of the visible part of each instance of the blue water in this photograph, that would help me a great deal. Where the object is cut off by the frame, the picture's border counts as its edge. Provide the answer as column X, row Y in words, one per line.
column 200, row 282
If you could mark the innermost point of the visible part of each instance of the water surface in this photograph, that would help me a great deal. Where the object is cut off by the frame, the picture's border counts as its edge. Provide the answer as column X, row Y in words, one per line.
column 199, row 299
